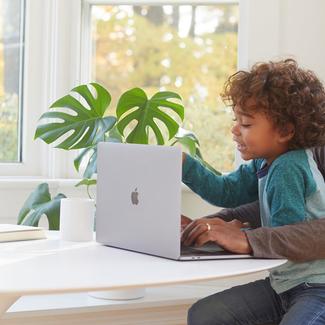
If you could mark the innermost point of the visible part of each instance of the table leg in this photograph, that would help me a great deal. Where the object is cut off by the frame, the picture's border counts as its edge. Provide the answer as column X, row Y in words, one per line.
column 5, row 303
column 128, row 294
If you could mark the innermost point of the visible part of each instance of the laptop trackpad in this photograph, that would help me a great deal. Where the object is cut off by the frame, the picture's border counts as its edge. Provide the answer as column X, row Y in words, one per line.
column 208, row 248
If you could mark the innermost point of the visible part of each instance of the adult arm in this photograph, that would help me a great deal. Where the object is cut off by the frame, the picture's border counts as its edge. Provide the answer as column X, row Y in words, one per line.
column 300, row 242
column 247, row 213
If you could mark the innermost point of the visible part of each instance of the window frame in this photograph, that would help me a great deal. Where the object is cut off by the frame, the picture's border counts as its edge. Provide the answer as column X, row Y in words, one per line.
column 49, row 72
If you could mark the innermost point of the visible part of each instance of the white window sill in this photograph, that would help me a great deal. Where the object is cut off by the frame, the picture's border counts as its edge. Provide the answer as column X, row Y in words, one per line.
column 15, row 190
column 28, row 182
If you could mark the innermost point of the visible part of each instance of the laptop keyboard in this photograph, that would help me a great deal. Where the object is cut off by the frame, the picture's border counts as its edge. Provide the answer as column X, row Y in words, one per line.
column 207, row 249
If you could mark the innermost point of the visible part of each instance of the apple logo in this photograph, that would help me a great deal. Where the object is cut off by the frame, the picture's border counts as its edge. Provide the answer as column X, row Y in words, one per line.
column 134, row 197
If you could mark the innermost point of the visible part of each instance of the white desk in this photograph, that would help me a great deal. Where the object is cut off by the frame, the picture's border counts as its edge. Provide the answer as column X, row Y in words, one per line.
column 52, row 266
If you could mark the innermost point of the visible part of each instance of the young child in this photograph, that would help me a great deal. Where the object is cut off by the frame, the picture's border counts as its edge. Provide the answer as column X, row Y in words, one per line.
column 279, row 113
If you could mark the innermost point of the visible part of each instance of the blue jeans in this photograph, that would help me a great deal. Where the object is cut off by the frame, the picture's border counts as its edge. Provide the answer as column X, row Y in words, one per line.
column 256, row 303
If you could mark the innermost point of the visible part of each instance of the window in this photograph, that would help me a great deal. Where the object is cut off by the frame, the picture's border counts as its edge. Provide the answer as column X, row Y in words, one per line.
column 190, row 49
column 11, row 73
column 23, row 86
column 49, row 47
column 44, row 64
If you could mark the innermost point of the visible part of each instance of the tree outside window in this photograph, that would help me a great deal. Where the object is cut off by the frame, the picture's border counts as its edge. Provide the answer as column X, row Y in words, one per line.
column 190, row 49
column 11, row 50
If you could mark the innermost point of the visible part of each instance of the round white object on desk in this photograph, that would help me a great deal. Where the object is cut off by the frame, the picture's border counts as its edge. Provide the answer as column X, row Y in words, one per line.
column 130, row 294
column 77, row 219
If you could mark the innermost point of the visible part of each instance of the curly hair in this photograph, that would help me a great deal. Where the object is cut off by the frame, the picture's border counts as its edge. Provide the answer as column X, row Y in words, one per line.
column 287, row 95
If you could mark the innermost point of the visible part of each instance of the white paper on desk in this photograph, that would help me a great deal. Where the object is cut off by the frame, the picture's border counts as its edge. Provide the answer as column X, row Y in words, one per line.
column 13, row 252
column 10, row 233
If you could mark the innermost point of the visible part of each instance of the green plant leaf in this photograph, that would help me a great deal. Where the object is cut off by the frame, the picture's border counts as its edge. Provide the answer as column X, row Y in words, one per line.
column 135, row 105
column 188, row 140
column 88, row 124
column 82, row 155
column 91, row 154
column 114, row 135
column 191, row 143
column 91, row 167
column 87, row 182
column 39, row 203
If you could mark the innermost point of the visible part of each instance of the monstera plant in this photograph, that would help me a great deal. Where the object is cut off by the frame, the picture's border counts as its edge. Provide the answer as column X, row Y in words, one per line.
column 77, row 121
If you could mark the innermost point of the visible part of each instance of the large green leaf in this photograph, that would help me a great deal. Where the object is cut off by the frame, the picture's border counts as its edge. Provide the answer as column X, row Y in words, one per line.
column 135, row 105
column 91, row 166
column 114, row 135
column 191, row 143
column 87, row 123
column 90, row 154
column 188, row 140
column 39, row 203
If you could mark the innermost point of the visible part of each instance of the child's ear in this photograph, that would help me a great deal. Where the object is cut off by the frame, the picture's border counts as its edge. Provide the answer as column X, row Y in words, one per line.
column 287, row 134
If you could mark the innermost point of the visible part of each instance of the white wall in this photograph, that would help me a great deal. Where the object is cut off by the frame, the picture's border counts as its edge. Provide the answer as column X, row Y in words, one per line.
column 13, row 194
column 303, row 33
column 277, row 29
column 281, row 28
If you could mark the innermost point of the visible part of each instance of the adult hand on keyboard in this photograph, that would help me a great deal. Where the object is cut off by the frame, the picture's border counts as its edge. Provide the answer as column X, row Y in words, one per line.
column 228, row 235
column 185, row 221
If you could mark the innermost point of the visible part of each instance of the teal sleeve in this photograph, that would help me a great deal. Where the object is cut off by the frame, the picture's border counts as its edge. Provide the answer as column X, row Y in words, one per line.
column 286, row 193
column 229, row 191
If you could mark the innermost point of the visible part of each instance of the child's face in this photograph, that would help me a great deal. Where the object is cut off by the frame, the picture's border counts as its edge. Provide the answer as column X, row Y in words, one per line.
column 256, row 136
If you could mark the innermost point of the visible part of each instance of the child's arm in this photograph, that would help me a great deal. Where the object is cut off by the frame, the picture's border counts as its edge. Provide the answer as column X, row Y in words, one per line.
column 231, row 190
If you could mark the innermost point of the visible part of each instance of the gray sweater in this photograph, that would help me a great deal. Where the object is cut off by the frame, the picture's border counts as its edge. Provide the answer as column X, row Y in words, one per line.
column 299, row 242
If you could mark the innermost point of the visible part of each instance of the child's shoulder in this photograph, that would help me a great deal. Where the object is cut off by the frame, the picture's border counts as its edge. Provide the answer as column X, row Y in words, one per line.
column 292, row 161
column 295, row 167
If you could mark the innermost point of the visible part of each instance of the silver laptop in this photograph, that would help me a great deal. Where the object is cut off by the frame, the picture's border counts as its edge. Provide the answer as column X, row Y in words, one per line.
column 139, row 202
